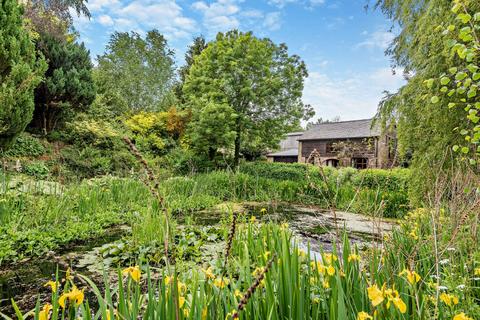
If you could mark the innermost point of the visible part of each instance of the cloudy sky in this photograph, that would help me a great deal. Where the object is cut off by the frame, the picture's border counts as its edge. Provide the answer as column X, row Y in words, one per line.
column 342, row 43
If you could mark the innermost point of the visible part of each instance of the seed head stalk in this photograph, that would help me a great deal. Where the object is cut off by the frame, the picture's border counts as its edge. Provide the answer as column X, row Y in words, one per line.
column 250, row 291
column 152, row 184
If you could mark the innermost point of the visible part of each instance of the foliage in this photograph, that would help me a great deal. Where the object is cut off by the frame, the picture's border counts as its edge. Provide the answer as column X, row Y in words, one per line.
column 54, row 17
column 268, row 276
column 157, row 132
column 199, row 44
column 460, row 85
column 212, row 128
column 135, row 72
column 20, row 72
column 36, row 169
column 88, row 162
column 68, row 86
column 38, row 223
column 425, row 129
column 295, row 172
column 26, row 145
column 257, row 79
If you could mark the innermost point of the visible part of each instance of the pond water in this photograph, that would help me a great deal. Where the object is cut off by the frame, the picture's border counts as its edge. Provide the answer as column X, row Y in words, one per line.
column 312, row 226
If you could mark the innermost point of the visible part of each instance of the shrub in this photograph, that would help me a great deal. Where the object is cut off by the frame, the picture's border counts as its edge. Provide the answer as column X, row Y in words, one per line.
column 280, row 171
column 394, row 179
column 37, row 169
column 98, row 133
column 26, row 146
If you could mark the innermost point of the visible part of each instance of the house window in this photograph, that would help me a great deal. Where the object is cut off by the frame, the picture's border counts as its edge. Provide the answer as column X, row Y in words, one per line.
column 332, row 163
column 360, row 163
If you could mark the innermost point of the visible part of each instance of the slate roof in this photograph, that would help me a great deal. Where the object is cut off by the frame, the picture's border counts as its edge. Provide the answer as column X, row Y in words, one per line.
column 284, row 153
column 342, row 130
column 291, row 141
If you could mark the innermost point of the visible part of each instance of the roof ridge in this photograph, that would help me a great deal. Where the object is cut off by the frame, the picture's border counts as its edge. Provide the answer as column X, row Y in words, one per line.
column 367, row 119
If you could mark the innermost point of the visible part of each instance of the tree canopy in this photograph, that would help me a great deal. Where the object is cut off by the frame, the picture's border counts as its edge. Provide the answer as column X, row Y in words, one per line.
column 68, row 85
column 20, row 73
column 257, row 79
column 138, row 71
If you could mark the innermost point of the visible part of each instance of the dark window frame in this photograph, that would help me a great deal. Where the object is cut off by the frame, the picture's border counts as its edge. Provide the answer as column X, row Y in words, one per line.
column 360, row 163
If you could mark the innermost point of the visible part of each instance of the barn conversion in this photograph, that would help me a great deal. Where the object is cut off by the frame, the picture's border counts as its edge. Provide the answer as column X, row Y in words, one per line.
column 356, row 143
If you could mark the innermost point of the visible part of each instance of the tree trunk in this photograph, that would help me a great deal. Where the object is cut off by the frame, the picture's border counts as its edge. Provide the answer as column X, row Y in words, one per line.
column 236, row 158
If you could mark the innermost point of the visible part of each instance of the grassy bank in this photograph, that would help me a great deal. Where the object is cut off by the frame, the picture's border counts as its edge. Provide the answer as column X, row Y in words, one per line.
column 33, row 222
column 383, row 192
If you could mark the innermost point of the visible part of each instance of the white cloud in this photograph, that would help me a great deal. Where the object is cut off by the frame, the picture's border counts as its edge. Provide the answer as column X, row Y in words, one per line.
column 224, row 15
column 98, row 5
column 305, row 3
column 272, row 21
column 378, row 39
column 219, row 15
column 105, row 20
column 142, row 15
column 350, row 98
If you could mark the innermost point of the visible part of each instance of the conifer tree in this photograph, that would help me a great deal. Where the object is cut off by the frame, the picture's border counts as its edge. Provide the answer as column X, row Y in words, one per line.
column 20, row 72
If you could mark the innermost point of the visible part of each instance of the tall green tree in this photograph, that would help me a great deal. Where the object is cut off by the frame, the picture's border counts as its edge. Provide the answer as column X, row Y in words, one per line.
column 20, row 73
column 140, row 71
column 258, row 79
column 199, row 44
column 68, row 85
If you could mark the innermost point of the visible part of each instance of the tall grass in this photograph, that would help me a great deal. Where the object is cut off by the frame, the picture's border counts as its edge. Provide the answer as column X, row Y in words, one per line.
column 296, row 285
column 36, row 223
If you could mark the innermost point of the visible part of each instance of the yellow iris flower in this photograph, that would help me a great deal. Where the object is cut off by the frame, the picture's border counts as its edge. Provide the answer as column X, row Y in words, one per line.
column 412, row 276
column 375, row 295
column 221, row 282
column 462, row 316
column 209, row 273
column 330, row 270
column 74, row 296
column 52, row 285
column 134, row 272
column 362, row 315
column 449, row 299
column 44, row 314
column 353, row 257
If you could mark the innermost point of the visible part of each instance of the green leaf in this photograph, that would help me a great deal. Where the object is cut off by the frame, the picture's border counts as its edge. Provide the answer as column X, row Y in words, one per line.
column 451, row 93
column 476, row 16
column 455, row 148
column 434, row 99
column 472, row 68
column 451, row 105
column 465, row 150
column 460, row 76
column 472, row 93
column 444, row 80
column 464, row 17
column 456, row 7
column 476, row 76
column 444, row 89
column 473, row 162
column 464, row 132
column 451, row 28
column 453, row 70
column 429, row 83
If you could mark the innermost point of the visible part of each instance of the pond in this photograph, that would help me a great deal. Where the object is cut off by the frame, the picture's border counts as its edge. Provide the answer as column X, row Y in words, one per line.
column 312, row 227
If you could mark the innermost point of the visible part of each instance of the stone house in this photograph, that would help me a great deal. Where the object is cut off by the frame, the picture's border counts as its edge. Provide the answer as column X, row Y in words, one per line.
column 353, row 143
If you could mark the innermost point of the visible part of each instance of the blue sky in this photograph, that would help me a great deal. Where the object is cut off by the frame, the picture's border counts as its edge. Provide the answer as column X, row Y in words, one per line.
column 342, row 43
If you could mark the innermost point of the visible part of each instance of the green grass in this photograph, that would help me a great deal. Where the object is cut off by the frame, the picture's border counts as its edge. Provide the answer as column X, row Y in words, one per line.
column 35, row 223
